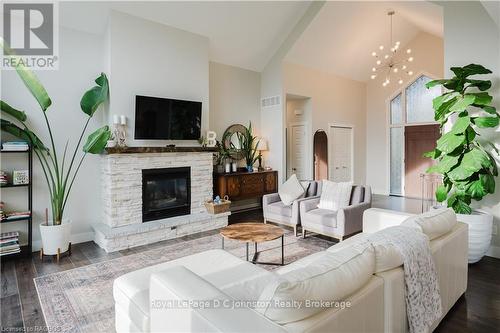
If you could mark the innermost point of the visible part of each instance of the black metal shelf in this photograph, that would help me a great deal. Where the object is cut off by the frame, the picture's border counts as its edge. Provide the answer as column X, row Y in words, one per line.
column 27, row 248
column 14, row 185
column 14, row 151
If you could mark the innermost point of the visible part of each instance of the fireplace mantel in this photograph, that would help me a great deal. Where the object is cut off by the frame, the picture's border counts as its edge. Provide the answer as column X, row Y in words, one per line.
column 145, row 150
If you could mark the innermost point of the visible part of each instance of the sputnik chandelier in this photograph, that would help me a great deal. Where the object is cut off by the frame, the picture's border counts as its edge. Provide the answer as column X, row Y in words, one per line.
column 394, row 64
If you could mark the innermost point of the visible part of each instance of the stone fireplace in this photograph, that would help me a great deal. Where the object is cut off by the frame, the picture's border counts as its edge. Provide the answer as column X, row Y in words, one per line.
column 153, row 194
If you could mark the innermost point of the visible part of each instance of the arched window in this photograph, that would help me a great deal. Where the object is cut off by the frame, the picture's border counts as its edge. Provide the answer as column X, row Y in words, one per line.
column 411, row 106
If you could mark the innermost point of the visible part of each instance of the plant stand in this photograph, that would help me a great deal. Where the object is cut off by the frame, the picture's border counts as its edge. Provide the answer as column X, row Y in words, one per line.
column 58, row 255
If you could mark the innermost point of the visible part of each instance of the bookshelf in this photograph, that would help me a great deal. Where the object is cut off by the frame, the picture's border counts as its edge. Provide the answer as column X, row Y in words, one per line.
column 26, row 249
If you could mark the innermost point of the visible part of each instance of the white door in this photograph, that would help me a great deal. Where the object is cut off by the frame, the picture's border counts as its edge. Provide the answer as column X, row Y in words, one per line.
column 341, row 154
column 298, row 151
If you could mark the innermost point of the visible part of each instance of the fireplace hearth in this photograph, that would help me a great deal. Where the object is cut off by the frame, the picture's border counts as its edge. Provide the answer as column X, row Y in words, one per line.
column 166, row 193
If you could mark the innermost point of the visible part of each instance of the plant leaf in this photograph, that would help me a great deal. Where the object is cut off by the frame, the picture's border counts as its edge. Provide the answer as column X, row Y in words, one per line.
column 96, row 142
column 433, row 83
column 24, row 134
column 461, row 125
column 473, row 161
column 484, row 122
column 479, row 84
column 19, row 115
column 446, row 163
column 481, row 98
column 471, row 69
column 95, row 96
column 461, row 207
column 462, row 103
column 488, row 182
column 449, row 142
column 488, row 108
column 432, row 154
column 476, row 190
column 441, row 193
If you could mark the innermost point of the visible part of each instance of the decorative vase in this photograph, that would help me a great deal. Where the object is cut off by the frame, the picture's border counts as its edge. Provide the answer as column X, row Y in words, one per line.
column 234, row 166
column 228, row 167
column 250, row 168
column 480, row 224
column 55, row 237
column 110, row 144
column 219, row 168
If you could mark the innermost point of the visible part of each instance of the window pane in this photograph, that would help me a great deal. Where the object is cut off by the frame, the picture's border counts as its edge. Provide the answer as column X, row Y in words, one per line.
column 396, row 111
column 419, row 101
column 396, row 144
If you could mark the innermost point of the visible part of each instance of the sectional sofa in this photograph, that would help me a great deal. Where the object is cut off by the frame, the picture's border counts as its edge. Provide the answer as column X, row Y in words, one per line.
column 216, row 291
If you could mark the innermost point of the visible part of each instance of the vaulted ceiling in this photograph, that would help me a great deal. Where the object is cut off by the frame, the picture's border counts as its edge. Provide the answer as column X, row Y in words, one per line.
column 342, row 36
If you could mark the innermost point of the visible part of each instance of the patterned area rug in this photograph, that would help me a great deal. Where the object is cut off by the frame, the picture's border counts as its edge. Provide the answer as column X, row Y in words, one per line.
column 81, row 299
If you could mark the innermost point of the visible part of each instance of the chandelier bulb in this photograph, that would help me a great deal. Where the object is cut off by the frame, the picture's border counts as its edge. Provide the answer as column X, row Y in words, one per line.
column 373, row 77
column 410, row 59
column 379, row 62
column 374, row 69
column 410, row 73
column 381, row 47
column 395, row 70
column 374, row 54
column 398, row 42
column 403, row 67
column 408, row 51
column 386, row 56
column 400, row 81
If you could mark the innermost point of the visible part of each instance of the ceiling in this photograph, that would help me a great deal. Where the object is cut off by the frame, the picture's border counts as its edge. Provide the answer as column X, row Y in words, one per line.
column 242, row 34
column 342, row 36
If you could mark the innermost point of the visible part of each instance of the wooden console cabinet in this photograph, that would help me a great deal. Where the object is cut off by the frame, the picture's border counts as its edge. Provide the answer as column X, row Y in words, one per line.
column 245, row 185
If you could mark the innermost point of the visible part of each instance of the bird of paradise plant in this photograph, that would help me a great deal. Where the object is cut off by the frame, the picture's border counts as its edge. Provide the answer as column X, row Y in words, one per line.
column 59, row 175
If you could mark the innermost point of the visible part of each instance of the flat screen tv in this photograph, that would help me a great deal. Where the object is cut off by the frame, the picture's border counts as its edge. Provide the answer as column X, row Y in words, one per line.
column 166, row 119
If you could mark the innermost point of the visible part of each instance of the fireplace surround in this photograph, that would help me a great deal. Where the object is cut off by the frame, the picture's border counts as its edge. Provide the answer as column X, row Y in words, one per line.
column 122, row 225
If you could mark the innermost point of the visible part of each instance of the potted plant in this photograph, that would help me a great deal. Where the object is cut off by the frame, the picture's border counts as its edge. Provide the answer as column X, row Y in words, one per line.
column 60, row 171
column 463, row 159
column 248, row 144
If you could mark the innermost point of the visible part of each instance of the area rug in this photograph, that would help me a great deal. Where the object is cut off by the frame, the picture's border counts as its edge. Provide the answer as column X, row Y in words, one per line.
column 81, row 299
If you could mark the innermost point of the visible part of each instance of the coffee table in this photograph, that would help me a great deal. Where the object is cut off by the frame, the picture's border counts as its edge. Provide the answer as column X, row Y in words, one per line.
column 255, row 233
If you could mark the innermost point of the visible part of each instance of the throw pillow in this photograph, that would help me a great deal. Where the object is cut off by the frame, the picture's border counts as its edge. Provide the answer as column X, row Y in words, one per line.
column 291, row 190
column 335, row 196
column 433, row 223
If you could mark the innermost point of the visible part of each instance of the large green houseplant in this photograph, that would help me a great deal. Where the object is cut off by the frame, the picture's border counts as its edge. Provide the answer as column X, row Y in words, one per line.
column 60, row 171
column 463, row 158
column 248, row 146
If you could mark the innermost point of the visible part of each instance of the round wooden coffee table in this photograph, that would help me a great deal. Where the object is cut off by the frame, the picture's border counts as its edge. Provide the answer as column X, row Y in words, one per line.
column 255, row 233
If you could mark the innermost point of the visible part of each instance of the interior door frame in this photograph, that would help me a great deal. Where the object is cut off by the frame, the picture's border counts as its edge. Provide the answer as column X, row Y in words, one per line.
column 308, row 152
column 330, row 141
column 388, row 101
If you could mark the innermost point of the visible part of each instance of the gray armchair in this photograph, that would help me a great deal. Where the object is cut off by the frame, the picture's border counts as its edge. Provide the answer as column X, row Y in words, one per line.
column 337, row 224
column 276, row 211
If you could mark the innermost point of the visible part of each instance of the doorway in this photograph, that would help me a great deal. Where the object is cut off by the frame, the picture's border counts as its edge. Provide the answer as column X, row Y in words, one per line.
column 298, row 150
column 418, row 140
column 341, row 146
column 320, row 148
column 298, row 137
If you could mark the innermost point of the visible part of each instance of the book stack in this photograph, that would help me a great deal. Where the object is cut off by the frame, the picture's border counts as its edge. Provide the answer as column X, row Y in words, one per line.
column 9, row 243
column 15, row 146
column 3, row 178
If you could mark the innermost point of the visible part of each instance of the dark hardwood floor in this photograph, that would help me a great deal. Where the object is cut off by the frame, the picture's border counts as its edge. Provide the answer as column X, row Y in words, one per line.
column 477, row 311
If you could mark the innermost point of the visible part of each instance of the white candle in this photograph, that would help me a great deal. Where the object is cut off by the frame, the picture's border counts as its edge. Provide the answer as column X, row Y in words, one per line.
column 123, row 120
column 116, row 119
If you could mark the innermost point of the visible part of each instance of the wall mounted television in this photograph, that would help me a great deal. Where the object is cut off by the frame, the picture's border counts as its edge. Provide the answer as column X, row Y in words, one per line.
column 166, row 119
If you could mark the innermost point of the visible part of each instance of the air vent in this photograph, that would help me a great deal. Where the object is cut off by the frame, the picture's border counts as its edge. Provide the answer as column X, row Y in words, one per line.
column 270, row 101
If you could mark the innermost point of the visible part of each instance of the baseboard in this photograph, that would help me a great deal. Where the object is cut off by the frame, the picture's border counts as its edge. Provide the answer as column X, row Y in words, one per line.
column 379, row 191
column 494, row 251
column 75, row 239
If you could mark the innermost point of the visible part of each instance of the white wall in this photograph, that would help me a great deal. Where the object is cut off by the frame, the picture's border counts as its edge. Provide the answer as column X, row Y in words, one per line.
column 234, row 98
column 148, row 58
column 81, row 62
column 427, row 51
column 476, row 41
column 335, row 100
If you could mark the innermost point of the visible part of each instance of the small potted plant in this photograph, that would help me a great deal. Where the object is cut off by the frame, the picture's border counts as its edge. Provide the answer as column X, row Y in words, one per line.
column 248, row 144
column 464, row 160
column 60, row 171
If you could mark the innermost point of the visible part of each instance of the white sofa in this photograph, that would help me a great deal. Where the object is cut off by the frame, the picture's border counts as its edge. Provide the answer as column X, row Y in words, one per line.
column 202, row 292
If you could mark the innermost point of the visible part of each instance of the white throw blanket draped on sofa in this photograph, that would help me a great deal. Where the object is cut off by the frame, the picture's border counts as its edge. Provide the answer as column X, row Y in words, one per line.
column 423, row 302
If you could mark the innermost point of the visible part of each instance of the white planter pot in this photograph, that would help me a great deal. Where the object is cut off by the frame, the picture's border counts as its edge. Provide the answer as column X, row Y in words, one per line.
column 55, row 237
column 480, row 224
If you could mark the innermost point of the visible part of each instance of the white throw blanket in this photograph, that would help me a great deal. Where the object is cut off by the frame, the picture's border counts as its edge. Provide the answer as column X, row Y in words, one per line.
column 423, row 302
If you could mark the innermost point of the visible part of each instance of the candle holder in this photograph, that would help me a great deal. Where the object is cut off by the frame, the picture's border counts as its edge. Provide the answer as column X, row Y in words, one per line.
column 120, row 130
